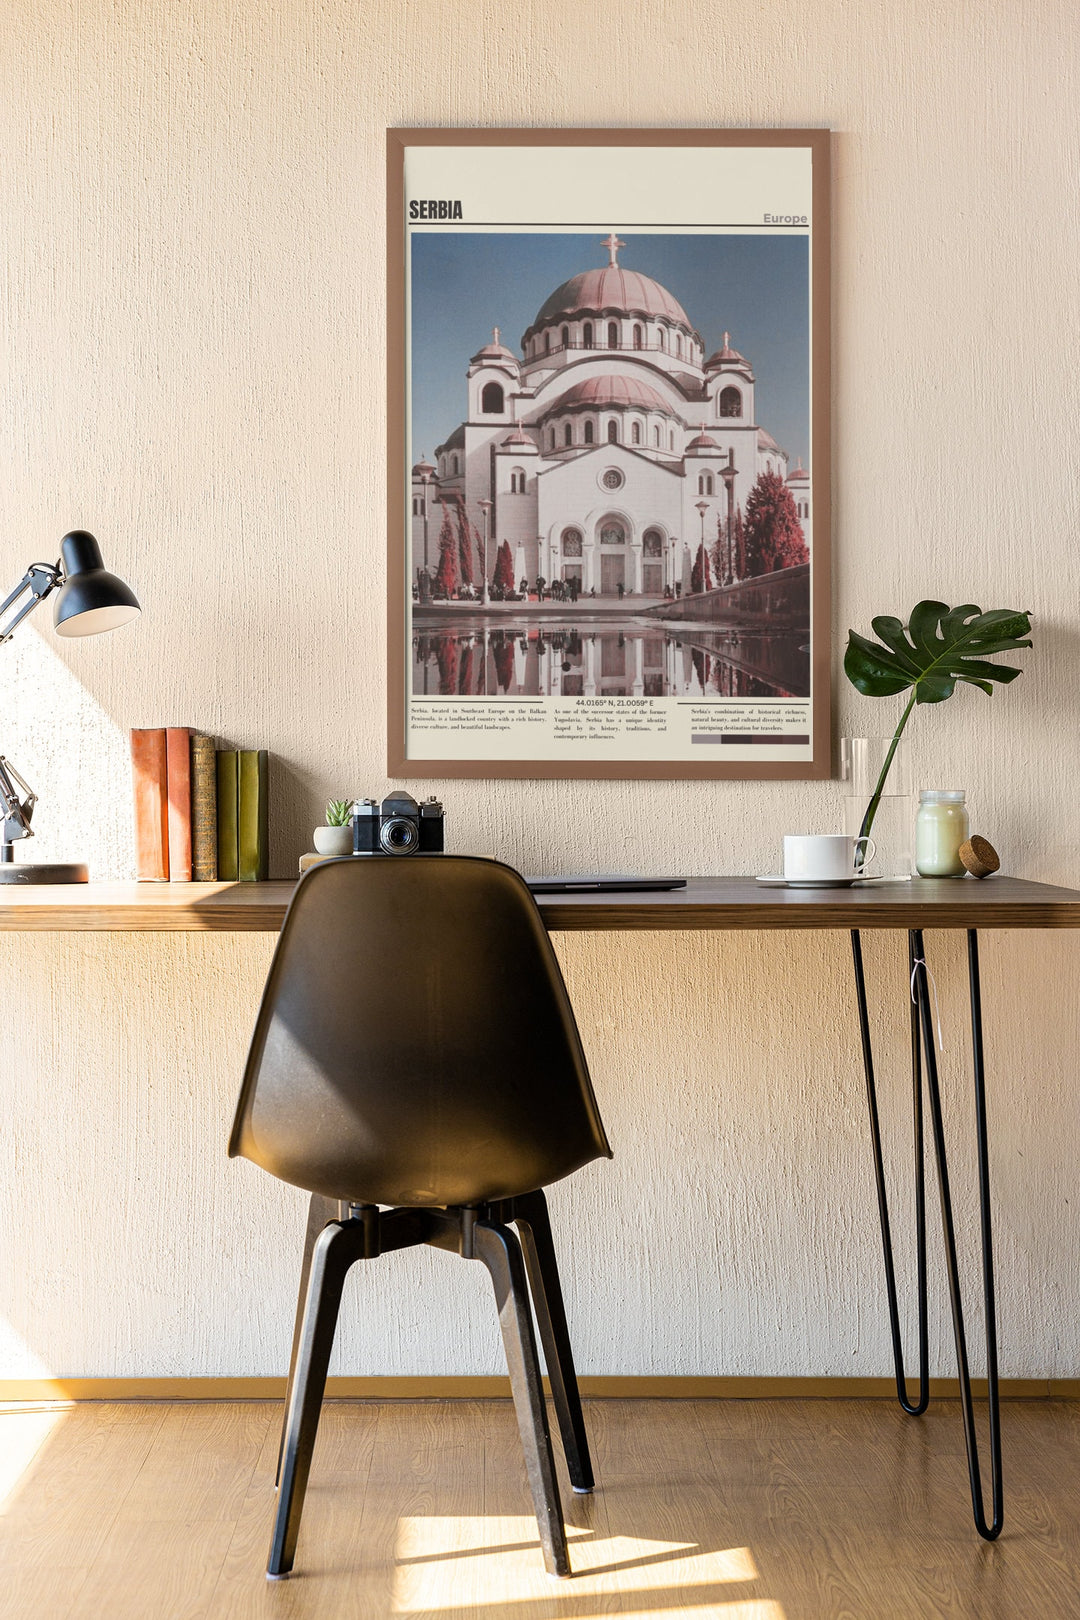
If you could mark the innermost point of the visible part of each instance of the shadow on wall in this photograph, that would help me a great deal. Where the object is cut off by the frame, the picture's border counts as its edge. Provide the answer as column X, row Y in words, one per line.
column 59, row 732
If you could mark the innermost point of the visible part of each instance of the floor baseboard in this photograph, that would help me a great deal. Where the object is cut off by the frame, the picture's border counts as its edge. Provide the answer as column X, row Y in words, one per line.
column 630, row 1387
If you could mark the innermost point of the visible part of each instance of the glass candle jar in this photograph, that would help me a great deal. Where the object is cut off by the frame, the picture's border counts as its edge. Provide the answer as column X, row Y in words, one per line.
column 941, row 826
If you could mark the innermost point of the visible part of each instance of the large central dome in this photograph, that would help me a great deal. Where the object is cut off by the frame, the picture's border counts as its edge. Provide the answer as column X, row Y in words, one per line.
column 615, row 290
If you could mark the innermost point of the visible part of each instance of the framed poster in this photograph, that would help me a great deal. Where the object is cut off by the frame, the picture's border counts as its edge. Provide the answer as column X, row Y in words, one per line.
column 609, row 453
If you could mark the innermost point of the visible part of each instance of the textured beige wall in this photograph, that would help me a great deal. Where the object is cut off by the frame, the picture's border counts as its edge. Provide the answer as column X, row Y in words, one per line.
column 193, row 349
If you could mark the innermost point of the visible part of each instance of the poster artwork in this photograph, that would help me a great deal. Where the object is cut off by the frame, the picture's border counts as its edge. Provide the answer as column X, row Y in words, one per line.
column 612, row 544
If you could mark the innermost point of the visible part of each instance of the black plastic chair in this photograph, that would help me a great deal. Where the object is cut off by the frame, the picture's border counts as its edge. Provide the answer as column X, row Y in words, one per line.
column 416, row 1048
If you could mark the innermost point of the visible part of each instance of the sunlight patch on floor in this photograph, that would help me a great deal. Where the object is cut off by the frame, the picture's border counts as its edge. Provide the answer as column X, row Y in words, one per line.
column 22, row 1434
column 445, row 1564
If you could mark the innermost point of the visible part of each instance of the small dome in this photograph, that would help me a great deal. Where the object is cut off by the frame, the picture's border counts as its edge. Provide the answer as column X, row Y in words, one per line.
column 423, row 468
column 727, row 358
column 765, row 441
column 518, row 440
column 704, row 441
column 609, row 393
column 798, row 475
column 494, row 353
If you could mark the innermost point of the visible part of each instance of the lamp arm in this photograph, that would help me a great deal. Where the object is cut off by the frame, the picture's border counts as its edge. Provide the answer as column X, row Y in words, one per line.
column 39, row 580
column 16, row 812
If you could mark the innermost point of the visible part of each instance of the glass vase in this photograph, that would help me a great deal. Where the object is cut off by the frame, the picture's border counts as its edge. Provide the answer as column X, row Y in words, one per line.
column 861, row 760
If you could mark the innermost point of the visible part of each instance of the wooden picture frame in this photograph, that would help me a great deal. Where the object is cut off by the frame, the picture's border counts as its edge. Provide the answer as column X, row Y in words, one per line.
column 574, row 458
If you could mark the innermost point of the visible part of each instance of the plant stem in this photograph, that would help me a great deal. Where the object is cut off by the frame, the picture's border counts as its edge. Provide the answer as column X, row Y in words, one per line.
column 875, row 798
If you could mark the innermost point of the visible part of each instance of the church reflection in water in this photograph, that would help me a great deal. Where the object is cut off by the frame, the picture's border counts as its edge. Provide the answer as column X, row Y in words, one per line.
column 624, row 658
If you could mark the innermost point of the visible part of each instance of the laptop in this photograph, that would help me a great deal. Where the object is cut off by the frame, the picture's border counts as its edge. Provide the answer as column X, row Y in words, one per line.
column 602, row 883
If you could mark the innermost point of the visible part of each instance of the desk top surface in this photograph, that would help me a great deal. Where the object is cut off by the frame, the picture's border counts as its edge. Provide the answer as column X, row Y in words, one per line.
column 705, row 903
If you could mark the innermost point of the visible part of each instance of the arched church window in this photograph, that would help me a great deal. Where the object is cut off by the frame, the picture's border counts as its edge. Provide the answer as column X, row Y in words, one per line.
column 453, row 467
column 517, row 481
column 612, row 335
column 637, row 337
column 635, row 433
column 652, row 543
column 730, row 402
column 705, row 484
column 678, row 346
column 660, row 337
column 613, row 432
column 656, row 437
column 547, row 342
column 588, row 433
column 568, row 434
column 491, row 399
column 565, row 337
column 551, row 438
column 571, row 542
column 586, row 334
column 671, row 439
column 612, row 534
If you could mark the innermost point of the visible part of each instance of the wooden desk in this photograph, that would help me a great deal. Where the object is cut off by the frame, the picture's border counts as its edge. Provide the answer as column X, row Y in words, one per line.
column 706, row 903
column 717, row 904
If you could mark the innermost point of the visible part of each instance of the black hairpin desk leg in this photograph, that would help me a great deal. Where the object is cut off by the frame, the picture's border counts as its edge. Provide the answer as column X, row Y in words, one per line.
column 916, row 1409
column 923, row 1021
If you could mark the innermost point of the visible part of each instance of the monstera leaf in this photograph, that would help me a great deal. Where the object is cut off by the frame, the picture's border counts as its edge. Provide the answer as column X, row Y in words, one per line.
column 941, row 646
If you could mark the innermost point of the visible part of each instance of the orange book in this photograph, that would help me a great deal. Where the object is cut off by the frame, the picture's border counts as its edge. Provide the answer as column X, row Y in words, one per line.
column 149, row 776
column 178, row 757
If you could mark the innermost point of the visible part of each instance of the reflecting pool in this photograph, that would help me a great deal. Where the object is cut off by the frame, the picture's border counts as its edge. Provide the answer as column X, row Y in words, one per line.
column 550, row 656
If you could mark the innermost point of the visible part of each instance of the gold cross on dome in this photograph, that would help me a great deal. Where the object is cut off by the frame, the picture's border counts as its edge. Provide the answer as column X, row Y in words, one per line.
column 613, row 244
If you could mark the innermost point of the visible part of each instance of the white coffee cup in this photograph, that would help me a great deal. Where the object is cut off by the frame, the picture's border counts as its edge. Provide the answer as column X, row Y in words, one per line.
column 825, row 857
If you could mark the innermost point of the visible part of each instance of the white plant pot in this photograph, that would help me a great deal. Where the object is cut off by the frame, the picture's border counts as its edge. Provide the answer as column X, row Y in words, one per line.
column 333, row 840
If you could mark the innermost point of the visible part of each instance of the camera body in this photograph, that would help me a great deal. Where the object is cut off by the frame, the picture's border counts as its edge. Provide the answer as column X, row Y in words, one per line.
column 397, row 826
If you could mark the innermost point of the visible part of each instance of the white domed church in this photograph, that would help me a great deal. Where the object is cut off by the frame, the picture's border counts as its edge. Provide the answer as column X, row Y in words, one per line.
column 602, row 450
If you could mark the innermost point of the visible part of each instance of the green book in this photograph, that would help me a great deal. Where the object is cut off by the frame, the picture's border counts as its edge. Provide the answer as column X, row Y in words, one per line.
column 252, row 819
column 228, row 866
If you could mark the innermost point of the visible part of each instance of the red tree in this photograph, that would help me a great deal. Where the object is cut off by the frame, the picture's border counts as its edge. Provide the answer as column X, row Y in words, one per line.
column 740, row 544
column 466, row 534
column 504, row 567
column 700, row 574
column 774, row 535
column 446, row 577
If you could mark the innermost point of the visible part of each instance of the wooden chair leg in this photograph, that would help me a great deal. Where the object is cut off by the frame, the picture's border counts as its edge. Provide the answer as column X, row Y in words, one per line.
column 531, row 1216
column 500, row 1252
column 321, row 1211
column 337, row 1246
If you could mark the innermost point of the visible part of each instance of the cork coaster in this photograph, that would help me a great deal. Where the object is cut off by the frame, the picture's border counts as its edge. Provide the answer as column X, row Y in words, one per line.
column 979, row 856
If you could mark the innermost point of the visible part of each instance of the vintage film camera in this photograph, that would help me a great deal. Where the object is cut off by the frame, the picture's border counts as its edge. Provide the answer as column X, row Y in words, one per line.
column 397, row 826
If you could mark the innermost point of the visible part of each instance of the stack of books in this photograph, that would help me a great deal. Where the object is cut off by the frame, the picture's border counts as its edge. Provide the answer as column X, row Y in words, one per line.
column 201, row 812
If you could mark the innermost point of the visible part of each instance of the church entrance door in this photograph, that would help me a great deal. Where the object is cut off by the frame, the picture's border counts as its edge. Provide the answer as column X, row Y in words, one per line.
column 652, row 578
column 612, row 574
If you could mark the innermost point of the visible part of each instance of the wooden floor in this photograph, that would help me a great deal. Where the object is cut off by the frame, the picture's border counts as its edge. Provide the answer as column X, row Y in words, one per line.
column 739, row 1510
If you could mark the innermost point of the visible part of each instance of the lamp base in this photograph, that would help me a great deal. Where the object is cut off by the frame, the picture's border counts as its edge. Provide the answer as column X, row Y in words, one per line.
column 44, row 872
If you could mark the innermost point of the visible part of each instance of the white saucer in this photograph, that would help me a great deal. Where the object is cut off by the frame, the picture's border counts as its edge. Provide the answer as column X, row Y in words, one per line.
column 778, row 881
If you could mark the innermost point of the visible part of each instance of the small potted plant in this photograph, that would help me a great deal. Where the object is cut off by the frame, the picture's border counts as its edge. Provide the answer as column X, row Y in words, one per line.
column 335, row 838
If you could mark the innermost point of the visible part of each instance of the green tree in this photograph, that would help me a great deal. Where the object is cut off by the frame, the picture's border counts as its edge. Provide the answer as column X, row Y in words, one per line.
column 774, row 535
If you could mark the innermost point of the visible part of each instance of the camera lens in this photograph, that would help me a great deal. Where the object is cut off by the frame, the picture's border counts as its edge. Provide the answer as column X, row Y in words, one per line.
column 398, row 836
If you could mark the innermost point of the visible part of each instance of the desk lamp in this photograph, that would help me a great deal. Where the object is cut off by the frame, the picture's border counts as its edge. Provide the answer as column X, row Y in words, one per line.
column 88, row 600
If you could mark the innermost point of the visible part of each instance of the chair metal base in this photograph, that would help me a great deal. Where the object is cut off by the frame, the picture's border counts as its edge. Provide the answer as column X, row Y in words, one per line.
column 338, row 1236
column 924, row 1052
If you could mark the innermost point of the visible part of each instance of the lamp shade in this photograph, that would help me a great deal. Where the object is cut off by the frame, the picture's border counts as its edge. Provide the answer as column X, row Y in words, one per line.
column 90, row 599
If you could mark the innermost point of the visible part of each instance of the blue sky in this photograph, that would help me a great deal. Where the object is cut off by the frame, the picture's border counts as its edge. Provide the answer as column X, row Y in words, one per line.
column 755, row 287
